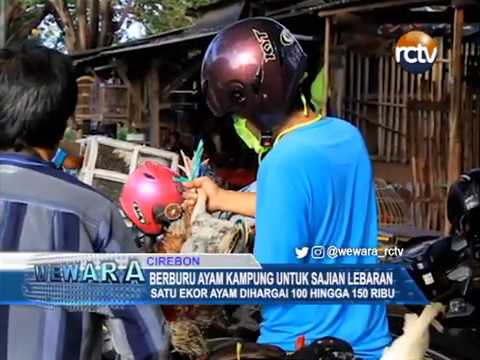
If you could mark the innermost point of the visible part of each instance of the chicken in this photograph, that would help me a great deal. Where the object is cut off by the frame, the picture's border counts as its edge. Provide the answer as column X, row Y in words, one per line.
column 209, row 234
column 413, row 344
column 201, row 232
column 198, row 232
column 175, row 236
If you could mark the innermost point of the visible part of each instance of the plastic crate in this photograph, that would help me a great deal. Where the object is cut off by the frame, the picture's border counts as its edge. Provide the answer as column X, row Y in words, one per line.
column 108, row 162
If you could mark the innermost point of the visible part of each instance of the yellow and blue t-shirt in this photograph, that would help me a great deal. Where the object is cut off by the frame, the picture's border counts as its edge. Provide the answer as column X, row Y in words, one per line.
column 315, row 187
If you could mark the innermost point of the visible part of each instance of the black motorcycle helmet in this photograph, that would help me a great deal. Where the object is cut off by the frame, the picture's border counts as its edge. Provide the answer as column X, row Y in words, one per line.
column 463, row 207
column 253, row 68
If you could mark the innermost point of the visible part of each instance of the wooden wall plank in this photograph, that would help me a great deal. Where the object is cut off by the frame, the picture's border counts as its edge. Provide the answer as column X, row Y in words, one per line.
column 358, row 82
column 396, row 125
column 153, row 84
column 351, row 82
column 381, row 131
column 454, row 163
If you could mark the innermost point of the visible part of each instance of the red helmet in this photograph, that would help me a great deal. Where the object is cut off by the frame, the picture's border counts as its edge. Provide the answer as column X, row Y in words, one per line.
column 151, row 197
column 253, row 68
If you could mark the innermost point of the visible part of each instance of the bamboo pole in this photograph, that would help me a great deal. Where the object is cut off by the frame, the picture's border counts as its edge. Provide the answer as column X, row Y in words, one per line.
column 436, row 155
column 135, row 94
column 154, row 103
column 427, row 153
column 467, row 113
column 358, row 80
column 476, row 122
column 391, row 110
column 439, row 145
column 474, row 97
column 454, row 138
column 404, row 127
column 366, row 80
column 421, row 152
column 381, row 131
column 326, row 55
column 411, row 117
column 351, row 77
column 444, row 130
column 3, row 23
column 413, row 149
column 432, row 158
column 396, row 126
column 476, row 131
column 467, row 142
column 454, row 143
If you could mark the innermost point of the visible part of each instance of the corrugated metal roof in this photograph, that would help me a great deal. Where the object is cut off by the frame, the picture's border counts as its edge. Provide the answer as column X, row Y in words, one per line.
column 144, row 40
column 217, row 16
column 109, row 52
column 313, row 6
column 220, row 16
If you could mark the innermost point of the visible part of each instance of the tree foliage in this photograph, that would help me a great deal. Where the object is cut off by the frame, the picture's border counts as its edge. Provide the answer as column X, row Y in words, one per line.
column 164, row 15
column 88, row 24
column 23, row 16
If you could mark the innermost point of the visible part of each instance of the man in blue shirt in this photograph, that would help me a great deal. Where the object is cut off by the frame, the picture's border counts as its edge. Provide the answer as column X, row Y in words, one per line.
column 315, row 186
column 42, row 209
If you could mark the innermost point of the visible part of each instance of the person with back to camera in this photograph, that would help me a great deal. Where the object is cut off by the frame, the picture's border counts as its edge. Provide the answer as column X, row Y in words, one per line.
column 44, row 209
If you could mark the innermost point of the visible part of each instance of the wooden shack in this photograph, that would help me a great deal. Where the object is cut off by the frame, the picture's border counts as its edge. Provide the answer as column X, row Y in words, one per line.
column 428, row 122
column 421, row 130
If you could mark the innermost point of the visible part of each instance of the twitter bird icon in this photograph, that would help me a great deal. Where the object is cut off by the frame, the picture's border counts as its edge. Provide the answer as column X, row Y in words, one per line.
column 301, row 252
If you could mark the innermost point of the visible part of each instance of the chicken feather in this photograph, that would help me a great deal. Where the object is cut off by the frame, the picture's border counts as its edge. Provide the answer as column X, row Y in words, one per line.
column 413, row 344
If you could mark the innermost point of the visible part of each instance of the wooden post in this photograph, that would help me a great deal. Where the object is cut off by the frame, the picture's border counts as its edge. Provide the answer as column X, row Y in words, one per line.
column 455, row 97
column 404, row 121
column 391, row 110
column 338, row 79
column 365, row 90
column 396, row 122
column 137, row 108
column 381, row 119
column 358, row 92
column 326, row 57
column 3, row 23
column 456, row 70
column 154, row 103
column 350, row 77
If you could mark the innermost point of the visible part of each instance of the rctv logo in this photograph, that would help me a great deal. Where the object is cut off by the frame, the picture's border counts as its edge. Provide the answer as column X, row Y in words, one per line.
column 416, row 52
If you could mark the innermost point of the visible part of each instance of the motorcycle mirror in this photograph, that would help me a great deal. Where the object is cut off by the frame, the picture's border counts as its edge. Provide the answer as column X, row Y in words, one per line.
column 461, row 273
column 459, row 308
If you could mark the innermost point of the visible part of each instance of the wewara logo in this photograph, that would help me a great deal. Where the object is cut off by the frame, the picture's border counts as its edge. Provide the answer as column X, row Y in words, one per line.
column 416, row 52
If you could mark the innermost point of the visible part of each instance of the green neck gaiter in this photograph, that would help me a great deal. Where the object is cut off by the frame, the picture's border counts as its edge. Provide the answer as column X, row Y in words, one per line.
column 319, row 92
column 240, row 125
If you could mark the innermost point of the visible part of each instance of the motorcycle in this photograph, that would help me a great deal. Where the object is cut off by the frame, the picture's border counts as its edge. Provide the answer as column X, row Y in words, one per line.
column 446, row 269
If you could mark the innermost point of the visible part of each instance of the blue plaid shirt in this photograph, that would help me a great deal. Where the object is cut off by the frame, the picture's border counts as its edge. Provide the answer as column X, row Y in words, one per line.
column 45, row 209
